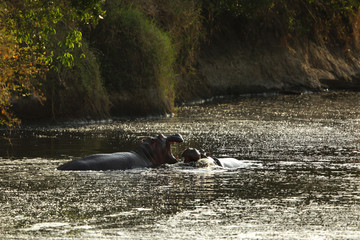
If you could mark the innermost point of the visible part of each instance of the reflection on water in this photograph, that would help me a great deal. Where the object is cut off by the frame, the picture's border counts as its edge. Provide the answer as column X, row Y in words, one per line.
column 300, row 178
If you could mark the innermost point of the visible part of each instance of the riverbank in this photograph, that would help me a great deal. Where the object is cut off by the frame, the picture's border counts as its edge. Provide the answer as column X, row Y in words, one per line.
column 148, row 57
column 232, row 67
column 271, row 51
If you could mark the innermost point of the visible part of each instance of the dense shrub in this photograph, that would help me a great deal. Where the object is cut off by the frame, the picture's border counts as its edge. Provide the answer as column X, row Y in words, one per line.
column 78, row 91
column 38, row 37
column 183, row 21
column 322, row 21
column 137, row 61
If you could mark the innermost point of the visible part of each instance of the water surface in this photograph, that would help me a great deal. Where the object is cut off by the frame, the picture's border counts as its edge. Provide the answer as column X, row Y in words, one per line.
column 300, row 178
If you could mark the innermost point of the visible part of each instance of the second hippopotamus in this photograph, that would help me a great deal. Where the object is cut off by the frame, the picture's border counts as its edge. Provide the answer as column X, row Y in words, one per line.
column 195, row 155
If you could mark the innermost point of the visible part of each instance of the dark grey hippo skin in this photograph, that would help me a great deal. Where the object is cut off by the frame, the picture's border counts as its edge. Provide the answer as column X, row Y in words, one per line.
column 152, row 152
column 192, row 155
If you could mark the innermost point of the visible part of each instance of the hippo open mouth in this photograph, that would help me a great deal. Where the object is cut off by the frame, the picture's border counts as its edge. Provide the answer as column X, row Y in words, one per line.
column 170, row 140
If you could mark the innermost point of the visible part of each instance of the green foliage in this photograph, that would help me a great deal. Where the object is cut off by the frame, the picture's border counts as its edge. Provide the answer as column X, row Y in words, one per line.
column 34, row 23
column 138, row 58
column 29, row 29
column 183, row 22
column 315, row 19
column 18, row 71
column 79, row 90
column 334, row 19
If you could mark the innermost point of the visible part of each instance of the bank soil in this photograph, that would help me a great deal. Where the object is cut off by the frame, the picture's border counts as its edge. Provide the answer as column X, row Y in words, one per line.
column 235, row 67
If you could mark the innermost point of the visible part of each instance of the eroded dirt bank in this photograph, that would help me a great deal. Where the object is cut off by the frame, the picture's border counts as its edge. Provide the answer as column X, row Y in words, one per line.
column 235, row 67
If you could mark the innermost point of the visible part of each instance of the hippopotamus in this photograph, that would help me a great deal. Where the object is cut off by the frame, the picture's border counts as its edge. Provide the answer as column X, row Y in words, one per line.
column 152, row 152
column 194, row 155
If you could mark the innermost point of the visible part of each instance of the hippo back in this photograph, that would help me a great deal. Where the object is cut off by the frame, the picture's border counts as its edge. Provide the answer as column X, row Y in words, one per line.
column 113, row 161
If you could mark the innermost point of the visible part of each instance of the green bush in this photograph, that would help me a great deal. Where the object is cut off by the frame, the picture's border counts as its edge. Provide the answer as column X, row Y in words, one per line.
column 321, row 20
column 43, row 35
column 183, row 21
column 78, row 91
column 137, row 63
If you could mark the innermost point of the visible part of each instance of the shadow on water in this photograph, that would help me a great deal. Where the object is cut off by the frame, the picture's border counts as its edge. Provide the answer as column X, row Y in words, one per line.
column 300, row 180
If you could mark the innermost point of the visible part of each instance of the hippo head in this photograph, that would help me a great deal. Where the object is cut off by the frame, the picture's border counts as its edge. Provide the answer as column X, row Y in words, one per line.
column 158, row 148
column 191, row 155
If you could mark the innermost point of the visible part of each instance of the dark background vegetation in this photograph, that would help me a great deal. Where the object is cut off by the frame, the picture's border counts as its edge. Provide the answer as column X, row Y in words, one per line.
column 95, row 58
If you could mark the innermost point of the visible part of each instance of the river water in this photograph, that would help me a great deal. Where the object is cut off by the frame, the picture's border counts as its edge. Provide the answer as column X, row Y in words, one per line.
column 300, row 177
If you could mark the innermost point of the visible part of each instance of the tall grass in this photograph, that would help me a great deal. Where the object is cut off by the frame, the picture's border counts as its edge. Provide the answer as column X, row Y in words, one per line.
column 83, row 93
column 78, row 91
column 137, row 62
